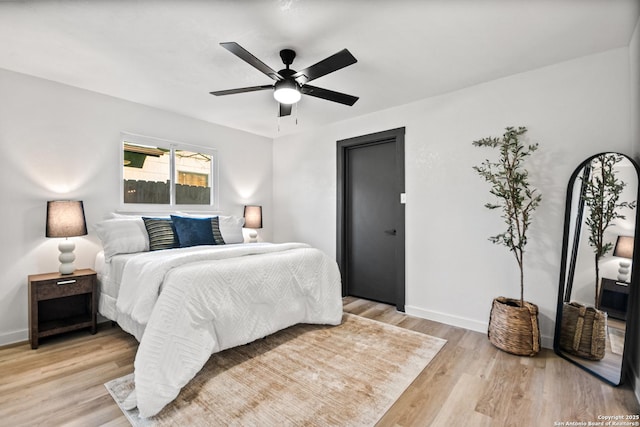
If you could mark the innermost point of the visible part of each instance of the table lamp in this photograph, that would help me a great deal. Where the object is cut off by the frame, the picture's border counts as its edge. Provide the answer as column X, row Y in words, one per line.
column 253, row 220
column 65, row 218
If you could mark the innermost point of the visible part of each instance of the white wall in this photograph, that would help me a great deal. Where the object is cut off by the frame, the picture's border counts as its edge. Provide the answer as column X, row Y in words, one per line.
column 573, row 109
column 61, row 142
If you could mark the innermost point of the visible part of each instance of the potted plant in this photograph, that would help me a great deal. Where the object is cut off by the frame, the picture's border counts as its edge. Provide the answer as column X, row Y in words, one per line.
column 513, row 323
column 584, row 328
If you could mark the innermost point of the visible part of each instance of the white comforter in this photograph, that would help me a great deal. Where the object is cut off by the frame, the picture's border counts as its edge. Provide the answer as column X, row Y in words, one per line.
column 196, row 302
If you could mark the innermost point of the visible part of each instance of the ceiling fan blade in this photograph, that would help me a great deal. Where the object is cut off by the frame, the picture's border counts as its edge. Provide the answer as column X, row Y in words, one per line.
column 285, row 110
column 241, row 90
column 244, row 54
column 329, row 95
column 339, row 60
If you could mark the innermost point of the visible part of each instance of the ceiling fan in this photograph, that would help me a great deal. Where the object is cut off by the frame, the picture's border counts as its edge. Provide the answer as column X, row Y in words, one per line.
column 291, row 84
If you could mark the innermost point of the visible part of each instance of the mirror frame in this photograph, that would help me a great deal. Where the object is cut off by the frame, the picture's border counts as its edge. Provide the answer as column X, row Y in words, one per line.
column 632, row 317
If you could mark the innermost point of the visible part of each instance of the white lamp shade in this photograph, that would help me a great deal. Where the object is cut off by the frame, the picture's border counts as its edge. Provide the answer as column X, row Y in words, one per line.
column 287, row 92
column 253, row 217
column 65, row 218
column 624, row 247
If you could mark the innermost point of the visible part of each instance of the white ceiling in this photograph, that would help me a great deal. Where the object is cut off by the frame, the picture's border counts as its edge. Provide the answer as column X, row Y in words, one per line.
column 166, row 54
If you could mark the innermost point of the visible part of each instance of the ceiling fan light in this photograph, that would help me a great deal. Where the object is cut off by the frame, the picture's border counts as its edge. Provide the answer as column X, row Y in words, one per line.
column 287, row 92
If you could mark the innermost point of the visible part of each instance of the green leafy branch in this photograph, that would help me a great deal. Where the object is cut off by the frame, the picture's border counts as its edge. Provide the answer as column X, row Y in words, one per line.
column 510, row 185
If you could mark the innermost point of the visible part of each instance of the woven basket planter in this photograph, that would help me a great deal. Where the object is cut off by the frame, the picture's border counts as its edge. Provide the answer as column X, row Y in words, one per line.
column 514, row 329
column 583, row 331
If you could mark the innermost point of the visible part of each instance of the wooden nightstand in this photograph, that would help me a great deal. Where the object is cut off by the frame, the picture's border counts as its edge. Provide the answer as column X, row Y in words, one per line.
column 61, row 303
column 614, row 298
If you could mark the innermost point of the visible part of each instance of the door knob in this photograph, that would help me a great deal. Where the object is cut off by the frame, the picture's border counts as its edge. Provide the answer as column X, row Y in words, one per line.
column 390, row 232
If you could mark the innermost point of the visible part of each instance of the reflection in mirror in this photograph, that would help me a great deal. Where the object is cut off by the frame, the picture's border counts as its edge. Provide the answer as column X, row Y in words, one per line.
column 597, row 271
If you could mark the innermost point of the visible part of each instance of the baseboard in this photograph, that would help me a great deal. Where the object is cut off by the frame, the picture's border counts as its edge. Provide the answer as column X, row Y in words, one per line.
column 9, row 338
column 462, row 322
column 14, row 337
column 448, row 319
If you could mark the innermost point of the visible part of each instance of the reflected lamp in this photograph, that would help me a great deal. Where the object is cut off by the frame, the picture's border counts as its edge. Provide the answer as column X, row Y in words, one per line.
column 65, row 218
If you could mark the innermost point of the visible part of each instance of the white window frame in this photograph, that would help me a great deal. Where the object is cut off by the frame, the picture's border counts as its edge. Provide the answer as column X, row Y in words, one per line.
column 172, row 146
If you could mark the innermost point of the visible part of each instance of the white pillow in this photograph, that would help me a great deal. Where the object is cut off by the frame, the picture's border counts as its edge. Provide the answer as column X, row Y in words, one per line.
column 231, row 228
column 122, row 236
column 117, row 215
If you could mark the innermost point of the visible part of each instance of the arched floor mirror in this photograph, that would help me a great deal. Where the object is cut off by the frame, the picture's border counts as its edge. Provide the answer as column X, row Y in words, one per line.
column 600, row 270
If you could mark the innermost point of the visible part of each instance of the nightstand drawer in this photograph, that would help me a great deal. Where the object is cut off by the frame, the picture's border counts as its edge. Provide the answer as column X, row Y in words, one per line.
column 63, row 287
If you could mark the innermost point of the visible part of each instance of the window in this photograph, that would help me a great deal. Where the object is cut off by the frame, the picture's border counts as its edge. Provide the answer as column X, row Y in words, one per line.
column 148, row 165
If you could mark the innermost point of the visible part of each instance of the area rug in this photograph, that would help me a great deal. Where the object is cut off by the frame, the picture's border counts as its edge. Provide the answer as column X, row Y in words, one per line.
column 346, row 375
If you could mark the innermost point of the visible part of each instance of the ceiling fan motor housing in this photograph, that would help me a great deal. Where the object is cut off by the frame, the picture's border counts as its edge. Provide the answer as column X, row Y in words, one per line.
column 287, row 56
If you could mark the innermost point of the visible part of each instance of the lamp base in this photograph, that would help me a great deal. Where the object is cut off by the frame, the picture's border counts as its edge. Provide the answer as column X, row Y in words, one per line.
column 253, row 236
column 66, row 258
column 623, row 271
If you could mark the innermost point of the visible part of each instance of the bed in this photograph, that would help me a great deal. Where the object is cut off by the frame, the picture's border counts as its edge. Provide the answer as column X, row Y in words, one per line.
column 185, row 303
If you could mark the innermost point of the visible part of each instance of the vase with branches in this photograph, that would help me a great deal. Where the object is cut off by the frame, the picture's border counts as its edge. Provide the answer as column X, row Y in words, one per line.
column 516, row 198
column 601, row 195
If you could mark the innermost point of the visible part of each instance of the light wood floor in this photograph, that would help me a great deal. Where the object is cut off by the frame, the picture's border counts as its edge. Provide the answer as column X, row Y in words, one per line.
column 469, row 383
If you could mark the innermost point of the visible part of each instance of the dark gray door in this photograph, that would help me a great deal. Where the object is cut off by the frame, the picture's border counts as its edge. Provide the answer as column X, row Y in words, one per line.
column 371, row 222
column 372, row 217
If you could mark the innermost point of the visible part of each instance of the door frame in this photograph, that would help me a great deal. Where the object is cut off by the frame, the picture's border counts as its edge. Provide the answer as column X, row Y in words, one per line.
column 343, row 148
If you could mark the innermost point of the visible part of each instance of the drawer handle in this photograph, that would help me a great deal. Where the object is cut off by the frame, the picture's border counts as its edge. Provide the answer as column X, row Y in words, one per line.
column 66, row 282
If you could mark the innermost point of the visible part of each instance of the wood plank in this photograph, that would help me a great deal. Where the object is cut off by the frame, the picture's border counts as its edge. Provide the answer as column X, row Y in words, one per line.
column 469, row 382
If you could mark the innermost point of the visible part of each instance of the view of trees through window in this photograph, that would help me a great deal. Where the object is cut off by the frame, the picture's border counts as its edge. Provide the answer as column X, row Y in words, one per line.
column 147, row 175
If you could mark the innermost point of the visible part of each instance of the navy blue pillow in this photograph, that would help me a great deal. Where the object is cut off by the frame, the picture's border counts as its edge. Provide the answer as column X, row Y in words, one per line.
column 193, row 231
